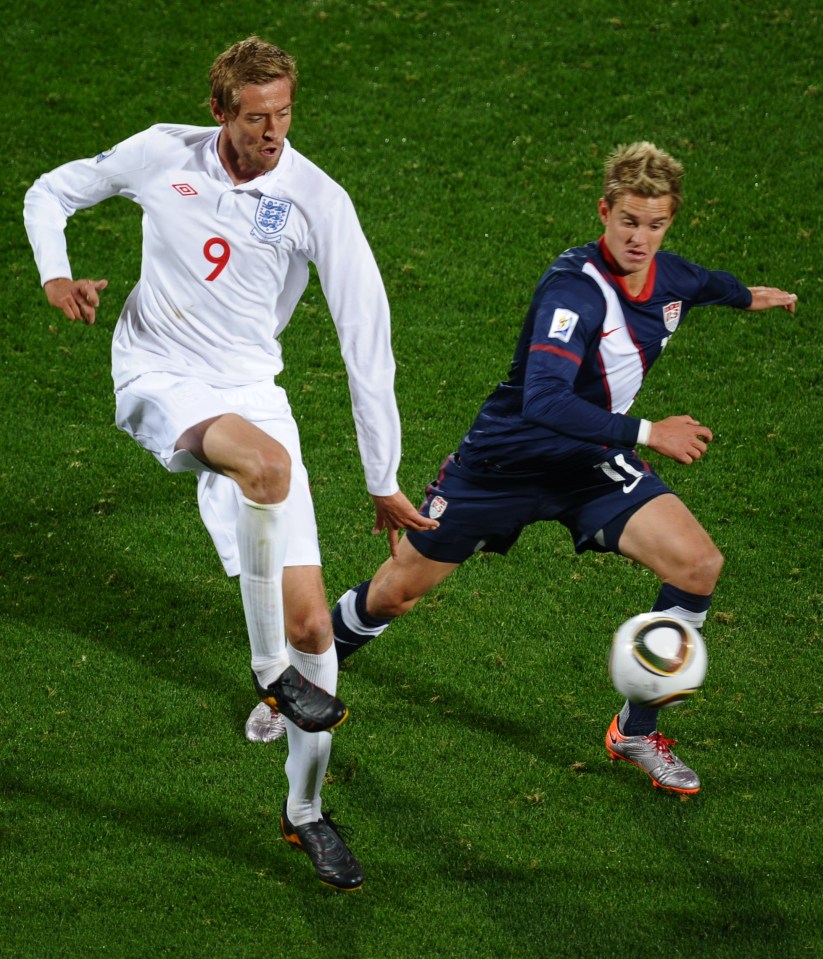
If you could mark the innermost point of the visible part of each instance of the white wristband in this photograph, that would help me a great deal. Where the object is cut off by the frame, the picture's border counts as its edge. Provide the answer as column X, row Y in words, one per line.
column 644, row 433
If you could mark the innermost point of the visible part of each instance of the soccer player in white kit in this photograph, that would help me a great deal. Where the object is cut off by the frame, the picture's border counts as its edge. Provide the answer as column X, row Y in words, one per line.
column 232, row 216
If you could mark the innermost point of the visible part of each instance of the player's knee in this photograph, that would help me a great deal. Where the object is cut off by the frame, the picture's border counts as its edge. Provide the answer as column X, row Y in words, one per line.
column 311, row 632
column 701, row 570
column 714, row 565
column 268, row 474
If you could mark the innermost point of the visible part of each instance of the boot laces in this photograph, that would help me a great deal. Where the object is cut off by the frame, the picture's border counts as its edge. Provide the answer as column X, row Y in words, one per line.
column 344, row 832
column 663, row 746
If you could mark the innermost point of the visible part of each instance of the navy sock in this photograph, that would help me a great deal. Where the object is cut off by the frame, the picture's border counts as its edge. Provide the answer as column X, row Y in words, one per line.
column 356, row 627
column 689, row 606
column 638, row 720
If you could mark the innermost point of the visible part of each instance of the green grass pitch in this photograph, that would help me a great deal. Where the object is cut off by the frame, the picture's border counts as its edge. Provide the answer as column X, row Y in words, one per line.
column 135, row 821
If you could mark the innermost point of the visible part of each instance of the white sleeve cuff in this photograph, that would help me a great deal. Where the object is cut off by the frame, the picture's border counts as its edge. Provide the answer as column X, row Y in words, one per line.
column 644, row 433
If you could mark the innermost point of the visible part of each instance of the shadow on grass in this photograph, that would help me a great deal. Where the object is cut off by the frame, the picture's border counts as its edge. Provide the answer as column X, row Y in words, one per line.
column 510, row 713
column 156, row 601
column 66, row 569
column 509, row 895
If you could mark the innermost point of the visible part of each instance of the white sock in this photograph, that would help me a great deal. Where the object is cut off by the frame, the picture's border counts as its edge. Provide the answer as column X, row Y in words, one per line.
column 309, row 753
column 694, row 618
column 261, row 542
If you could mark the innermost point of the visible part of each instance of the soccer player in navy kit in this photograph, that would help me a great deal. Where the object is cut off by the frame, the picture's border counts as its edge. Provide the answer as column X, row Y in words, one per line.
column 555, row 441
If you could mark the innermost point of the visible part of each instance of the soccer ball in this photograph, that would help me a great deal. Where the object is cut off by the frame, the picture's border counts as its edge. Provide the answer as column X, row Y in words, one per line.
column 657, row 659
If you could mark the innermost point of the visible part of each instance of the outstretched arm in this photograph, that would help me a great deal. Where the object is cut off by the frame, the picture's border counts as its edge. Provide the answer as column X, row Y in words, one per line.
column 396, row 512
column 684, row 439
column 78, row 299
column 766, row 297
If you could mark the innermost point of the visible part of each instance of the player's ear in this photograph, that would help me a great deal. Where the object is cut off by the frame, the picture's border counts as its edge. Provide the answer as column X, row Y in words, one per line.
column 603, row 210
column 217, row 111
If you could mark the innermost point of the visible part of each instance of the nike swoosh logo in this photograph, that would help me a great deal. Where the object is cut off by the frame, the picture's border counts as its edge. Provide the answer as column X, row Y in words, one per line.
column 606, row 333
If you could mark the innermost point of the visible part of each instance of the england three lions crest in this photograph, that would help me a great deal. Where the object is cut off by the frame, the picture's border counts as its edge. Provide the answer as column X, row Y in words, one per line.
column 270, row 217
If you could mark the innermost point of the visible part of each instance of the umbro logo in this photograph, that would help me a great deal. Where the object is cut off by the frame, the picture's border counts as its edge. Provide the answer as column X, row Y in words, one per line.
column 185, row 189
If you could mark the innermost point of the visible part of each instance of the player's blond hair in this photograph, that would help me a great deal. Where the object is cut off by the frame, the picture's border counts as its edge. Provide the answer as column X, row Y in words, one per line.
column 248, row 61
column 643, row 169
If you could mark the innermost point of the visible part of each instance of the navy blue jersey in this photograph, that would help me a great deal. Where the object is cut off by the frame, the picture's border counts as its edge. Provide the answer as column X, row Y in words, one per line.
column 584, row 351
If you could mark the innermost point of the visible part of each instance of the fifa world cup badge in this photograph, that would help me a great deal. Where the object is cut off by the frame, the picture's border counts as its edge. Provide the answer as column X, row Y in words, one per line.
column 563, row 324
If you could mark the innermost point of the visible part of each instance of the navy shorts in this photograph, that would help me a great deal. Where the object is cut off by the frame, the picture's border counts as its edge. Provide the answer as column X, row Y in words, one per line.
column 487, row 512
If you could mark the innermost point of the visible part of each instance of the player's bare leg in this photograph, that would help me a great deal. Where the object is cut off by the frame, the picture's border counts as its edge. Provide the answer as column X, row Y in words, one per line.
column 308, row 628
column 363, row 613
column 310, row 649
column 664, row 536
column 303, row 822
column 262, row 467
column 399, row 583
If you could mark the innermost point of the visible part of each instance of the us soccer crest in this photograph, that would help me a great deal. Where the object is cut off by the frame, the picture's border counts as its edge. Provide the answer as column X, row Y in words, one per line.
column 437, row 507
column 270, row 216
column 671, row 315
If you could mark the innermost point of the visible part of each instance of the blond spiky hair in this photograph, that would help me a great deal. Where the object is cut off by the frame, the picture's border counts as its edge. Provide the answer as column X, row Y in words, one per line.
column 643, row 169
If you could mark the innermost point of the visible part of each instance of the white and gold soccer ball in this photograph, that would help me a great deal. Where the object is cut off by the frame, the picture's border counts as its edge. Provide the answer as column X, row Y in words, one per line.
column 657, row 659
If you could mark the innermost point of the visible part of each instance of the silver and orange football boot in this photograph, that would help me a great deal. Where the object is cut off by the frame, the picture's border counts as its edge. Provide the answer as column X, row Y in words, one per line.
column 264, row 724
column 654, row 756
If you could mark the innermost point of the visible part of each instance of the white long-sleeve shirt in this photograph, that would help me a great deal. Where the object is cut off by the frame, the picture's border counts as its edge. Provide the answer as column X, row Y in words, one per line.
column 224, row 266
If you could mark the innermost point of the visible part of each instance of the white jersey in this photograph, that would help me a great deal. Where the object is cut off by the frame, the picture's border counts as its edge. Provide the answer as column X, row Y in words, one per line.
column 224, row 266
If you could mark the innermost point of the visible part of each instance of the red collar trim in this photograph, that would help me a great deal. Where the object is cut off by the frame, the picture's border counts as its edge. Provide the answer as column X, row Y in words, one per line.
column 620, row 280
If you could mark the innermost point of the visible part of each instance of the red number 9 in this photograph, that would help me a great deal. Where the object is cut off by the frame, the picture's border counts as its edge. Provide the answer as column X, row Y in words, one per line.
column 219, row 259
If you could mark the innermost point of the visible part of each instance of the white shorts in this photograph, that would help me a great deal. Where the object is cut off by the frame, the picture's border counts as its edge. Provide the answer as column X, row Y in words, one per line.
column 157, row 408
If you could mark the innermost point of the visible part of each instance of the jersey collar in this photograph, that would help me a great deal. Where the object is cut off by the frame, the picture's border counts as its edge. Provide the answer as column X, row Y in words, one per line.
column 620, row 281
